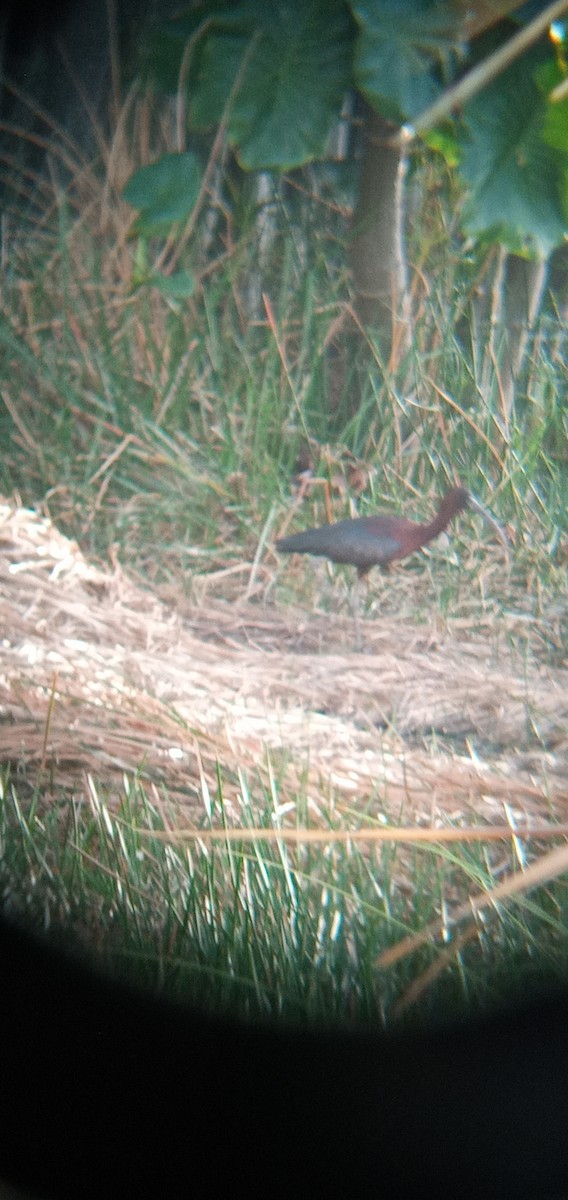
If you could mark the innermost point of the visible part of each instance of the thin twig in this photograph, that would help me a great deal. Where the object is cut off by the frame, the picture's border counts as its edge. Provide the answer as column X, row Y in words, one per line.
column 482, row 75
column 48, row 718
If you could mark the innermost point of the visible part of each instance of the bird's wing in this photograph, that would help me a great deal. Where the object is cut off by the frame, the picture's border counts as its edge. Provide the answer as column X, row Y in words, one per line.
column 364, row 546
column 352, row 541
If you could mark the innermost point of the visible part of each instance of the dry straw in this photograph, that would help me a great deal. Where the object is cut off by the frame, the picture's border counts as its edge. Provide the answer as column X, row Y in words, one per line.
column 98, row 676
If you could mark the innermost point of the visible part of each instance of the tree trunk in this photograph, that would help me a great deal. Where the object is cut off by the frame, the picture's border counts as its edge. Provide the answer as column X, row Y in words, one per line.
column 378, row 254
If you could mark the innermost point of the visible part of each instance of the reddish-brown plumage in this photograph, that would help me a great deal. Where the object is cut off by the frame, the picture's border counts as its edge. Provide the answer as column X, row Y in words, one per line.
column 366, row 542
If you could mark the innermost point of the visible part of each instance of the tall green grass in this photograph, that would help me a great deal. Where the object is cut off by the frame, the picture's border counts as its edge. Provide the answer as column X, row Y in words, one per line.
column 150, row 422
column 260, row 929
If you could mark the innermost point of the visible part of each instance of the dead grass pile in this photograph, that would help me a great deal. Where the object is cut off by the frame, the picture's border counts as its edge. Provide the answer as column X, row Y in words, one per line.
column 99, row 677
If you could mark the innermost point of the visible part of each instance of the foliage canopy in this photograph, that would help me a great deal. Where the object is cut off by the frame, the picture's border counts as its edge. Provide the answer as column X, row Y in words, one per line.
column 278, row 74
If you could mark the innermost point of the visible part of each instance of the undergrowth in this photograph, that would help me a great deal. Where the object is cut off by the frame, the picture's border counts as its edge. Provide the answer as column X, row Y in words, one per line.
column 262, row 929
column 170, row 430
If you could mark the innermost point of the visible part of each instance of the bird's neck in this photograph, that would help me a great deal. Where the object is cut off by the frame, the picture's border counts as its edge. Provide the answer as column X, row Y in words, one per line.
column 433, row 528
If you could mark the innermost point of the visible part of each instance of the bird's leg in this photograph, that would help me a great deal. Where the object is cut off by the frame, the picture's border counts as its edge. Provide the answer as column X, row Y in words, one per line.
column 355, row 600
column 356, row 606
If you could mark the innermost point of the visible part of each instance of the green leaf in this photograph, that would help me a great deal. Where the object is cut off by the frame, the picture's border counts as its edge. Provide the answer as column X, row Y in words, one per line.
column 165, row 192
column 166, row 49
column 514, row 177
column 443, row 140
column 178, row 287
column 401, row 48
column 293, row 81
column 167, row 46
column 555, row 124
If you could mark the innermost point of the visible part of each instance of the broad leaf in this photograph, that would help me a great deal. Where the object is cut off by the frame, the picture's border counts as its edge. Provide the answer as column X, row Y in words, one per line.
column 168, row 45
column 165, row 192
column 555, row 130
column 403, row 52
column 177, row 287
column 514, row 177
column 294, row 62
column 166, row 50
column 555, row 126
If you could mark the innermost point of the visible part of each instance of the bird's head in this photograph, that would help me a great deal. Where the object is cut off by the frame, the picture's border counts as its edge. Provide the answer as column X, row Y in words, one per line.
column 456, row 499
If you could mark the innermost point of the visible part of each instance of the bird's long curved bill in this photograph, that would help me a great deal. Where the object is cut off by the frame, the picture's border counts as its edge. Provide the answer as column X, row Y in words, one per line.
column 484, row 512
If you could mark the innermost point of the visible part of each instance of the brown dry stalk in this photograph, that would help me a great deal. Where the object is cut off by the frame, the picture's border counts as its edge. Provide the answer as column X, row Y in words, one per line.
column 405, row 833
column 433, row 972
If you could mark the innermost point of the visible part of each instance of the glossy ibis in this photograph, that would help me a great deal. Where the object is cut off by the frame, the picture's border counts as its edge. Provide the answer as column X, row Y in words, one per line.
column 365, row 542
